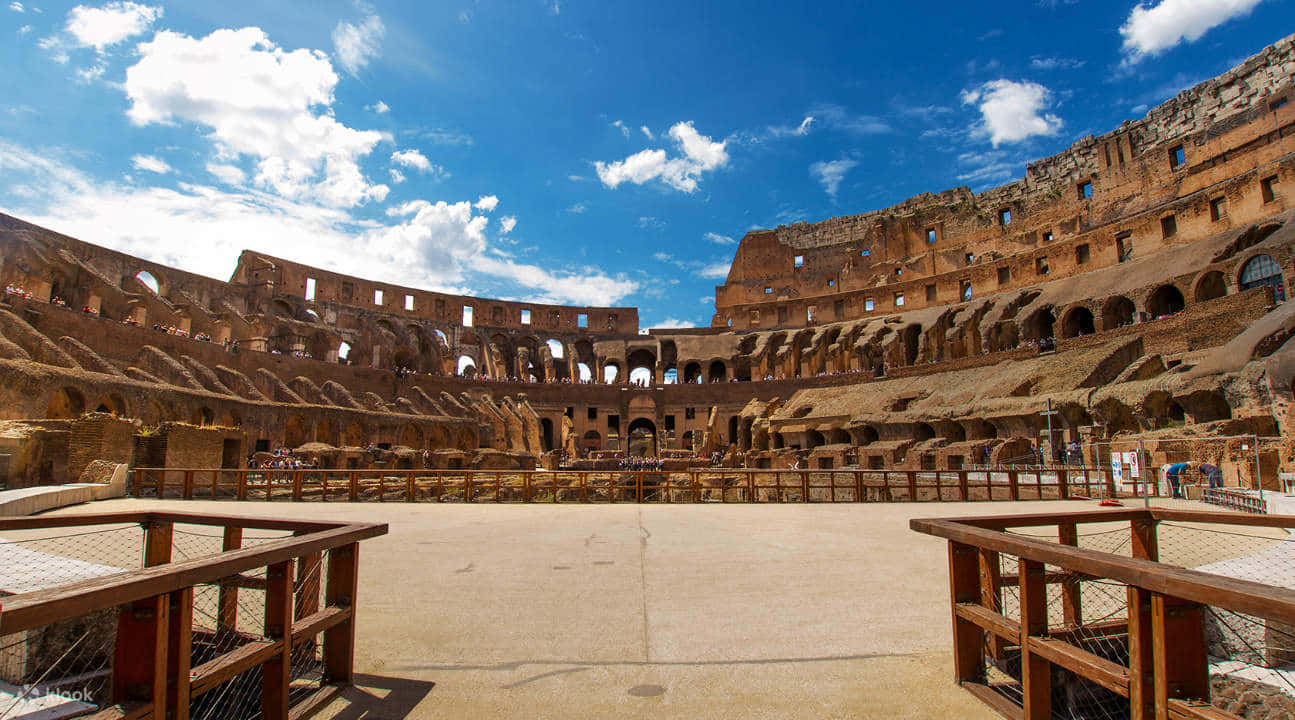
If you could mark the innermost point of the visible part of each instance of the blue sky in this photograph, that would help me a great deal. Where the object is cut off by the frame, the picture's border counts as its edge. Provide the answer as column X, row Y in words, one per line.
column 600, row 153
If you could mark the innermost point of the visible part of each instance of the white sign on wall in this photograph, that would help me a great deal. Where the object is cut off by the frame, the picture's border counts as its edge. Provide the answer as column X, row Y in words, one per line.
column 1117, row 468
column 1131, row 459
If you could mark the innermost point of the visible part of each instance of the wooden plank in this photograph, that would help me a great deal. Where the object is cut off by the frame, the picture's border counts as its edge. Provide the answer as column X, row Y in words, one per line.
column 1036, row 673
column 1072, row 609
column 996, row 624
column 1080, row 633
column 48, row 521
column 1223, row 518
column 227, row 601
column 307, row 627
column 991, row 595
column 1198, row 710
column 1052, row 578
column 1179, row 653
column 42, row 607
column 276, row 672
column 314, row 703
column 139, row 653
column 964, row 587
column 339, row 640
column 1112, row 676
column 157, row 542
column 179, row 644
column 1142, row 696
column 1241, row 596
column 233, row 663
column 995, row 700
column 121, row 711
column 1144, row 539
column 1000, row 522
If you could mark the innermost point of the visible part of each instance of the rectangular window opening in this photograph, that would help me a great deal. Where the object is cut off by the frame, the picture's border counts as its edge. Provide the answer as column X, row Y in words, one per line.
column 1124, row 246
column 1005, row 217
column 1168, row 226
column 1085, row 190
column 798, row 261
column 348, row 290
column 865, row 253
column 1082, row 254
column 831, row 282
column 768, row 290
column 592, row 413
column 869, row 305
column 1278, row 104
column 931, row 235
column 899, row 299
column 930, row 292
column 755, row 318
column 526, row 317
column 1177, row 157
column 377, row 297
column 966, row 290
column 1218, row 208
column 310, row 288
column 582, row 320
column 1004, row 275
column 1041, row 266
column 1046, row 237
column 1267, row 188
column 970, row 258
column 467, row 316
column 690, row 413
column 809, row 313
column 409, row 303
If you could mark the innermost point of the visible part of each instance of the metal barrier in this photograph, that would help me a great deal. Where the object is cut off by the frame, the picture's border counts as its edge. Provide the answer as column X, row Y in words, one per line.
column 1234, row 499
column 1058, row 616
column 692, row 486
column 137, row 615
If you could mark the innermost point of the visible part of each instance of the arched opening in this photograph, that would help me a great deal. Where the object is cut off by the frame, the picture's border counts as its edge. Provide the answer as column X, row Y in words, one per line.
column 555, row 348
column 671, row 376
column 611, row 371
column 866, row 435
column 467, row 367
column 1117, row 312
column 441, row 334
column 1038, row 326
column 591, row 441
column 294, row 432
column 691, row 373
column 1079, row 321
column 586, row 375
column 343, row 352
column 546, row 434
column 641, row 376
column 813, row 439
column 923, row 431
column 231, row 418
column 147, row 279
column 1211, row 285
column 642, row 438
column 1166, row 300
column 1262, row 270
column 912, row 341
column 202, row 417
column 718, row 372
column 641, row 362
column 732, row 430
column 65, row 403
column 1208, row 407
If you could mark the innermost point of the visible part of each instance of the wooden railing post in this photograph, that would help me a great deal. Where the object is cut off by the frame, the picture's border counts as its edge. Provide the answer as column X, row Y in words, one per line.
column 139, row 655
column 157, row 543
column 1063, row 484
column 179, row 643
column 1014, row 484
column 186, row 490
column 275, row 673
column 241, row 490
column 227, row 602
column 1072, row 612
column 1142, row 696
column 991, row 595
column 1144, row 539
column 1036, row 673
column 912, row 485
column 1180, row 660
column 964, row 492
column 354, row 490
column 339, row 640
column 968, row 638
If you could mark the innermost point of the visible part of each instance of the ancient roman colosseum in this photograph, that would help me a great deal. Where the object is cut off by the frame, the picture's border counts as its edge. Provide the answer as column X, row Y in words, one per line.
column 1135, row 283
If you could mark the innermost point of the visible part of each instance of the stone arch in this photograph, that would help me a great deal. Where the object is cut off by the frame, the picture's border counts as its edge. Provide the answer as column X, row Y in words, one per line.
column 866, row 435
column 923, row 431
column 813, row 439
column 912, row 338
column 692, row 373
column 467, row 367
column 1117, row 416
column 1118, row 311
column 296, row 432
column 65, row 403
column 202, row 416
column 1208, row 406
column 1039, row 325
column 611, row 372
column 1260, row 270
column 591, row 441
column 1210, row 285
column 717, row 372
column 546, row 434
column 231, row 418
column 113, row 403
column 1164, row 301
column 1077, row 321
column 153, row 281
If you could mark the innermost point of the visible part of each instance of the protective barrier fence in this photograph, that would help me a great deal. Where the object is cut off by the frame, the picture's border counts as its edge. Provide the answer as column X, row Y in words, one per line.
column 134, row 615
column 1123, row 613
column 622, row 486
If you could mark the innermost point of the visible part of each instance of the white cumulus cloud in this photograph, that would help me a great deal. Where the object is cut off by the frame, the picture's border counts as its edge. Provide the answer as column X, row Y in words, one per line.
column 830, row 173
column 699, row 154
column 411, row 159
column 228, row 174
column 110, row 24
column 356, row 45
column 379, row 107
column 720, row 239
column 150, row 163
column 257, row 100
column 1150, row 30
column 486, row 203
column 1012, row 111
column 718, row 270
column 506, row 224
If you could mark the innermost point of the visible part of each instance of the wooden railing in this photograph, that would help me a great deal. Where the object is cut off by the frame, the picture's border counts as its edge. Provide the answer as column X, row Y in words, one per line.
column 621, row 486
column 159, row 659
column 1161, row 668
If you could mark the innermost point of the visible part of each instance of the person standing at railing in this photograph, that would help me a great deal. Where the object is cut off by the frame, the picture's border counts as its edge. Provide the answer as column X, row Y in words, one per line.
column 1175, row 475
column 1212, row 474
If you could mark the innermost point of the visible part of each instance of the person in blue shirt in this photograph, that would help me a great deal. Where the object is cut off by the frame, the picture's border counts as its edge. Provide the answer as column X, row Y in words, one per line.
column 1175, row 477
column 1212, row 474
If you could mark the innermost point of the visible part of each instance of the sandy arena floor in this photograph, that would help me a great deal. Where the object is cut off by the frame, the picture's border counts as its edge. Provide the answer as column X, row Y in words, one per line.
column 662, row 611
